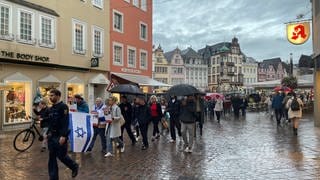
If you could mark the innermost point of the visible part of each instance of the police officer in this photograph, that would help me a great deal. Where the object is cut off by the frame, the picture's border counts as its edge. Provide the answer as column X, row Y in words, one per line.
column 57, row 136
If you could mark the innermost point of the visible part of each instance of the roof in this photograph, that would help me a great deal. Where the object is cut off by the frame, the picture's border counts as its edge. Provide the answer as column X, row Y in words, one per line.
column 169, row 55
column 35, row 6
column 306, row 61
column 214, row 48
column 273, row 61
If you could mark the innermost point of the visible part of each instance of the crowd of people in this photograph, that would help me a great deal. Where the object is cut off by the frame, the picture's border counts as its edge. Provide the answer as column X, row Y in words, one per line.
column 179, row 117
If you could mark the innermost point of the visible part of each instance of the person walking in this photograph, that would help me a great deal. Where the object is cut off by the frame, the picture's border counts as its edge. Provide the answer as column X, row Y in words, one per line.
column 126, row 111
column 156, row 115
column 143, row 117
column 82, row 105
column 166, row 116
column 277, row 106
column 174, row 110
column 218, row 108
column 244, row 105
column 135, row 113
column 295, row 106
column 199, row 102
column 58, row 135
column 114, row 127
column 42, row 111
column 188, row 119
column 100, row 127
column 236, row 103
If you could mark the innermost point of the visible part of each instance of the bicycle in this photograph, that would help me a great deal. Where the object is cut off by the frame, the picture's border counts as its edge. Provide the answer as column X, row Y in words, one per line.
column 25, row 138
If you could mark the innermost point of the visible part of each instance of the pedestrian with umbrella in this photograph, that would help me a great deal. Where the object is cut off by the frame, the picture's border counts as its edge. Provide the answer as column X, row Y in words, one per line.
column 218, row 108
column 174, row 111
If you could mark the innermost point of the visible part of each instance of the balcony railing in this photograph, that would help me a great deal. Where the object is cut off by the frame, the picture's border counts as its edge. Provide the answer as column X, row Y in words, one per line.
column 230, row 73
column 230, row 64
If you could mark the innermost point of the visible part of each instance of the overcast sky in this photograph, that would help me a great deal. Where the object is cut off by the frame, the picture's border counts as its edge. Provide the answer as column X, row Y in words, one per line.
column 258, row 24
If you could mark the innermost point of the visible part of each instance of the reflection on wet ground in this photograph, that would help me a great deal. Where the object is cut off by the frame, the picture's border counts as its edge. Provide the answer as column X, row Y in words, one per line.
column 248, row 148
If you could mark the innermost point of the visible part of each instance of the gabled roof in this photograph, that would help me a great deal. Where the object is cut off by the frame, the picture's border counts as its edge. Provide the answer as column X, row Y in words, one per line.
column 35, row 6
column 169, row 55
column 273, row 61
column 214, row 48
column 191, row 53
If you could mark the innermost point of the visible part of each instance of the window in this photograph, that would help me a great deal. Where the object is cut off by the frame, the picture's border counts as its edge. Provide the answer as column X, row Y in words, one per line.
column 26, row 27
column 143, row 31
column 128, row 1
column 117, row 53
column 98, row 3
column 79, row 35
column 131, row 57
column 143, row 59
column 135, row 3
column 97, row 38
column 46, row 32
column 144, row 5
column 117, row 21
column 5, row 22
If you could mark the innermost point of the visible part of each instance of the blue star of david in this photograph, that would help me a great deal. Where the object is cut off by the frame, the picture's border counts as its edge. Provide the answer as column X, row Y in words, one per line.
column 80, row 132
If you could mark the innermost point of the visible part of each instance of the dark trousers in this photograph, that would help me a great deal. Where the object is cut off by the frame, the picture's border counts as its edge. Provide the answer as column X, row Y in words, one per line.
column 101, row 132
column 236, row 112
column 218, row 114
column 58, row 151
column 278, row 114
column 155, row 122
column 127, row 126
column 175, row 123
column 243, row 111
column 144, row 134
column 285, row 113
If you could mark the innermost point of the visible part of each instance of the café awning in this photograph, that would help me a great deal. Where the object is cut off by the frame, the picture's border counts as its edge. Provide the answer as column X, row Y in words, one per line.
column 140, row 80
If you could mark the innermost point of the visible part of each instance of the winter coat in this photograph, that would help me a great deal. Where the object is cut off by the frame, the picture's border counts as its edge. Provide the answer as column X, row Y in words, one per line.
column 127, row 114
column 293, row 114
column 143, row 114
column 219, row 105
column 83, row 107
column 115, row 129
column 277, row 102
column 187, row 112
column 173, row 108
column 44, row 114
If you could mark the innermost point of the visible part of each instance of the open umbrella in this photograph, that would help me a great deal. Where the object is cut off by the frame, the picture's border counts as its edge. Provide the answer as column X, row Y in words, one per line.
column 282, row 88
column 214, row 95
column 127, row 89
column 182, row 90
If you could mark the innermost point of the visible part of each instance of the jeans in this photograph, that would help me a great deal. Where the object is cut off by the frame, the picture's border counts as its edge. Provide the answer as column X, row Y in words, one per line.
column 278, row 114
column 188, row 130
column 175, row 123
column 127, row 126
column 101, row 132
column 45, row 139
column 110, row 140
column 58, row 151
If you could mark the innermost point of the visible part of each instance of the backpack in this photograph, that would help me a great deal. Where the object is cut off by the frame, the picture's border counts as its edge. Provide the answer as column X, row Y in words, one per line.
column 295, row 106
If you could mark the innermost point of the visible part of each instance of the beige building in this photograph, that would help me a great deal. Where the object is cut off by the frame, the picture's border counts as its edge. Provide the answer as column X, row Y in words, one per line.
column 316, row 57
column 160, row 65
column 51, row 44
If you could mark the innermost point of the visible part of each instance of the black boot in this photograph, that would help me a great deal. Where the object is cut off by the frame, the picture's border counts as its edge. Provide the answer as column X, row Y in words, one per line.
column 295, row 131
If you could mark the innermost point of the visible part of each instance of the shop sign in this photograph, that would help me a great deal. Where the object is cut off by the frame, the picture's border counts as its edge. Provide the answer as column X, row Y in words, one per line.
column 95, row 62
column 136, row 71
column 298, row 33
column 24, row 56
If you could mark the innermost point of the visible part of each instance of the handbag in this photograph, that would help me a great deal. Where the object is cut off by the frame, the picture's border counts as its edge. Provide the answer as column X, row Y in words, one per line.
column 164, row 123
column 122, row 121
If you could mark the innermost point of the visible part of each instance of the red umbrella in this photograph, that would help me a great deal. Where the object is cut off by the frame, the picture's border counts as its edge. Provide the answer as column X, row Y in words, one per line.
column 282, row 88
column 214, row 95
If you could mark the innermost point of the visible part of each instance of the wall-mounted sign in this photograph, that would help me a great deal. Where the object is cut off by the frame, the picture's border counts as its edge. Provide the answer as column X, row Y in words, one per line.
column 298, row 33
column 136, row 71
column 23, row 56
column 95, row 62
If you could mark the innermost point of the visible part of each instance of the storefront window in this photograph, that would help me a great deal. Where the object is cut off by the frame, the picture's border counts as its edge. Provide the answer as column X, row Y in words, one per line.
column 45, row 89
column 17, row 102
column 72, row 89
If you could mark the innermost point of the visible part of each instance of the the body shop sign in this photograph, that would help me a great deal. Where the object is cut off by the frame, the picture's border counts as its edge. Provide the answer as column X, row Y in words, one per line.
column 23, row 56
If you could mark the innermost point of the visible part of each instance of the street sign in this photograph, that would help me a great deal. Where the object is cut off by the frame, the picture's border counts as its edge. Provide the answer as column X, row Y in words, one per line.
column 298, row 33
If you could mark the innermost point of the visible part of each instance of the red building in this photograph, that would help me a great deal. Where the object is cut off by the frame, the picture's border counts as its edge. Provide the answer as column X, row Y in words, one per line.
column 131, row 41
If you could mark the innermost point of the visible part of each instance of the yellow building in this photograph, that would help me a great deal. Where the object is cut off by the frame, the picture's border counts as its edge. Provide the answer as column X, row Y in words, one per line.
column 160, row 68
column 51, row 44
column 316, row 57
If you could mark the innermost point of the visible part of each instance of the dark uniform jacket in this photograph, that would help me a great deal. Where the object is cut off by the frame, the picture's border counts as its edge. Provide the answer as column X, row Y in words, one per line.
column 59, row 120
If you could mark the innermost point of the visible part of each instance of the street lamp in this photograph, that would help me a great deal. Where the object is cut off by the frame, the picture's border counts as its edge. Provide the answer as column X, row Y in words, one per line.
column 291, row 65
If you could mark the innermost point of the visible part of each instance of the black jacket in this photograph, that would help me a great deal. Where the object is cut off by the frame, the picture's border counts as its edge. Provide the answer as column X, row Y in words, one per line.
column 59, row 120
column 174, row 108
column 187, row 112
column 44, row 114
column 143, row 114
column 127, row 114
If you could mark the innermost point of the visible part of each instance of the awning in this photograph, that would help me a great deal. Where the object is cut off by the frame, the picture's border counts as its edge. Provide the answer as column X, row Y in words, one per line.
column 141, row 80
column 99, row 79
column 49, row 79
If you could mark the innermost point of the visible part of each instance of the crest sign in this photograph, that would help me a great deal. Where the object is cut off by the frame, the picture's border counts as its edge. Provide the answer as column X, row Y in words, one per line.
column 298, row 33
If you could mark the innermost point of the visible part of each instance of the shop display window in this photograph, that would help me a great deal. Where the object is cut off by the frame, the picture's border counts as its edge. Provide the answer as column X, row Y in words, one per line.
column 17, row 101
column 73, row 89
column 45, row 90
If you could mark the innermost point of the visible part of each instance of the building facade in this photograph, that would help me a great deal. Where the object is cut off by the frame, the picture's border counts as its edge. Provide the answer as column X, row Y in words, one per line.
column 48, row 45
column 272, row 69
column 224, row 66
column 250, row 74
column 196, row 69
column 131, row 41
column 177, row 70
column 316, row 57
column 161, row 66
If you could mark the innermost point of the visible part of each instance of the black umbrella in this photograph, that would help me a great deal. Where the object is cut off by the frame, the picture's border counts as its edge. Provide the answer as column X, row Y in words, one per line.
column 182, row 90
column 127, row 89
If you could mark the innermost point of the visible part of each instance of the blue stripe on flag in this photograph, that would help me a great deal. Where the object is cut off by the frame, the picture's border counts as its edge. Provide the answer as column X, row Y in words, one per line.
column 88, row 124
column 71, row 132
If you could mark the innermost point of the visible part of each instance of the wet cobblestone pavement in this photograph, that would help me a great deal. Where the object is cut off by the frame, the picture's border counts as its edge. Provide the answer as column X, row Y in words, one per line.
column 248, row 148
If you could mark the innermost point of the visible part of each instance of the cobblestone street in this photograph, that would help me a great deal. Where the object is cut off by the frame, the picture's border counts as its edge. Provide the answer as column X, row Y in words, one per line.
column 248, row 148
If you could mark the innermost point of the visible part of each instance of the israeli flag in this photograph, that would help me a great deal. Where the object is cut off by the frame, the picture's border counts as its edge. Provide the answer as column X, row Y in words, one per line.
column 81, row 131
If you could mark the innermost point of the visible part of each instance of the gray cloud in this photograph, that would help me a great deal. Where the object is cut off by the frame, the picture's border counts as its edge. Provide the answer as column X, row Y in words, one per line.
column 258, row 24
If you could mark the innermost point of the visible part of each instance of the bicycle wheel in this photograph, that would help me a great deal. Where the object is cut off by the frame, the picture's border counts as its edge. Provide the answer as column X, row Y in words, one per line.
column 23, row 140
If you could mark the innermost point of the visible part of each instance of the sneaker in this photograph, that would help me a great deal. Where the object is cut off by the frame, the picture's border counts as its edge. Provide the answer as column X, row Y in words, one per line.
column 157, row 136
column 144, row 147
column 108, row 154
column 172, row 141
column 75, row 171
column 187, row 149
column 137, row 138
column 122, row 148
column 153, row 138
